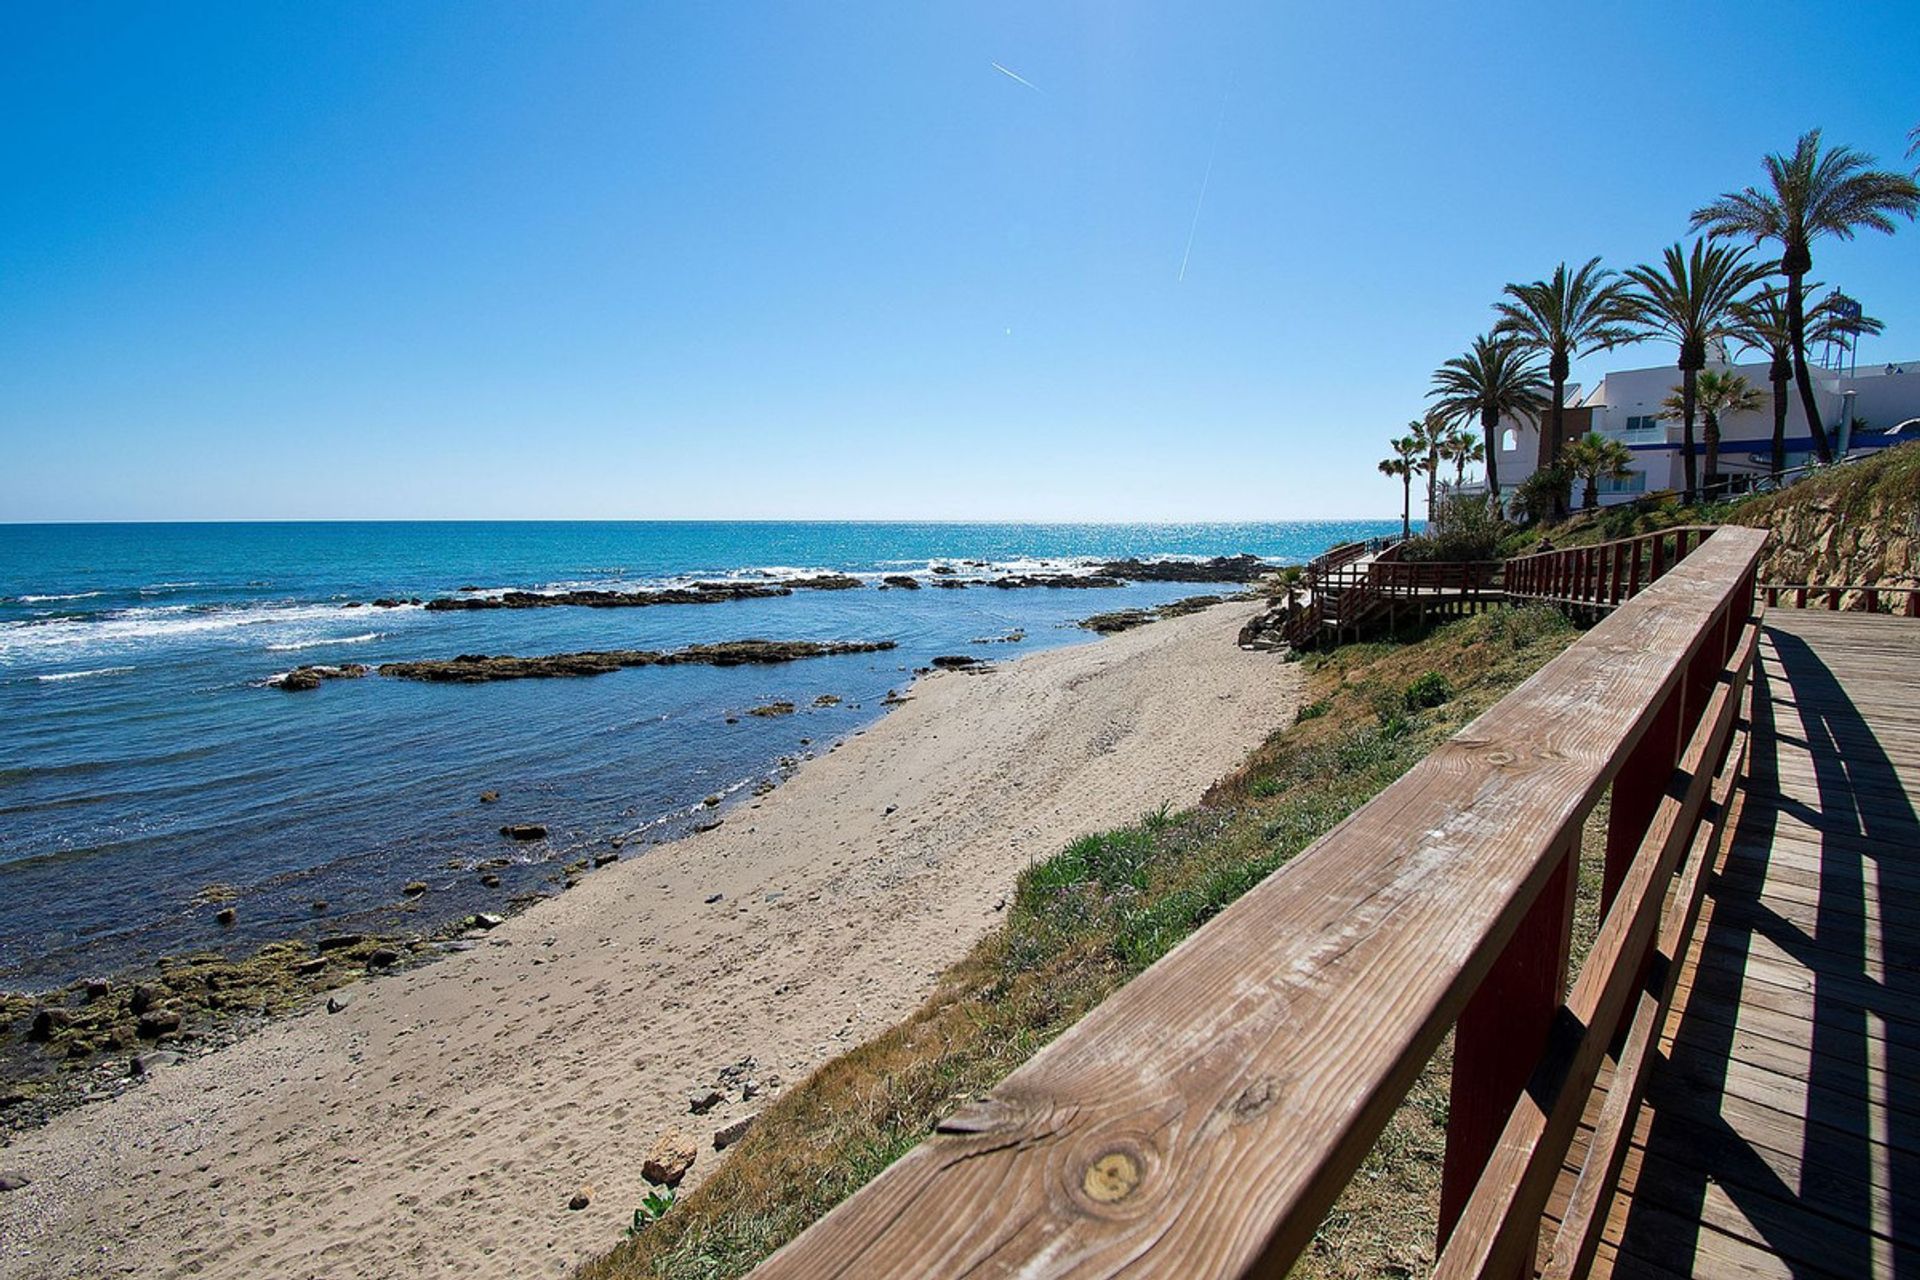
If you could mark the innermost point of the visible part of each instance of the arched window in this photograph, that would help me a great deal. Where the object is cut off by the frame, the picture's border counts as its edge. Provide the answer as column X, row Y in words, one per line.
column 1509, row 441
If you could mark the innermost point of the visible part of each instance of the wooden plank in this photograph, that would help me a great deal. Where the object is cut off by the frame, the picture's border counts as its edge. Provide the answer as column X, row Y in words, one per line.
column 1201, row 1120
column 1496, row 1232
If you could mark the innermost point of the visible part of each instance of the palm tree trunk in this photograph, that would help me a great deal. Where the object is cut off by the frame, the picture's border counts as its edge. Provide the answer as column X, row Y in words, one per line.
column 1591, row 498
column 1689, row 468
column 1713, row 452
column 1797, row 332
column 1406, row 503
column 1490, row 424
column 1781, row 371
column 1551, row 430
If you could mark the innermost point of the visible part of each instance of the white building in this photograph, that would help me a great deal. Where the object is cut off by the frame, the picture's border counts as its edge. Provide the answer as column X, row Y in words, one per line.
column 1881, row 400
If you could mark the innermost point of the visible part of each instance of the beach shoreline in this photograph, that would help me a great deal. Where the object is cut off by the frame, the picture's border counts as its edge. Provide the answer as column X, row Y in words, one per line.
column 443, row 1119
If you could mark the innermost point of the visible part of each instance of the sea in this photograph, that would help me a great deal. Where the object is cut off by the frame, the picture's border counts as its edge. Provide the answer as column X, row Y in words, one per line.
column 150, row 774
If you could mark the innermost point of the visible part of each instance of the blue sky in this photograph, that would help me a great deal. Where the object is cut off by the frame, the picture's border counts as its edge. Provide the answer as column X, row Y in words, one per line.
column 653, row 261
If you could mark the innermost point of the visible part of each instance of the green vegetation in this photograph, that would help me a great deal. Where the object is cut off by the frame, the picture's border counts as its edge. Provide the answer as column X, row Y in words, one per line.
column 1593, row 458
column 1082, row 923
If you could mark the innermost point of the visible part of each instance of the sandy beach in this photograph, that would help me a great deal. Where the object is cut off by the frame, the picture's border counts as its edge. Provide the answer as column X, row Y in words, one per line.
column 439, row 1124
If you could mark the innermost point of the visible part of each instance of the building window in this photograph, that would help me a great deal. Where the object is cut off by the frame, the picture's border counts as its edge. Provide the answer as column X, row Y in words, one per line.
column 1643, row 429
column 1509, row 441
column 1632, row 482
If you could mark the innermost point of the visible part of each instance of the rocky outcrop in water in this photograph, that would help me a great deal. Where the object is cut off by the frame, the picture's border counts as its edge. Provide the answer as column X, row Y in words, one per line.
column 698, row 593
column 303, row 678
column 1241, row 568
column 477, row 668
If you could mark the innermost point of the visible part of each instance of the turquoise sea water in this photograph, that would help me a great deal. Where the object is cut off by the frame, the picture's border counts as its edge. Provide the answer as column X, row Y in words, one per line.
column 143, row 760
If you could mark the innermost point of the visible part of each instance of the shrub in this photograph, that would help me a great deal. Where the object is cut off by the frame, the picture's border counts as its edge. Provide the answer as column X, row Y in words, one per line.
column 1430, row 690
column 1464, row 528
column 1538, row 496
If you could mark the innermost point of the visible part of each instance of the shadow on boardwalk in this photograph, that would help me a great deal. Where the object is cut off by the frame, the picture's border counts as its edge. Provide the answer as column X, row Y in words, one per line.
column 1796, row 1132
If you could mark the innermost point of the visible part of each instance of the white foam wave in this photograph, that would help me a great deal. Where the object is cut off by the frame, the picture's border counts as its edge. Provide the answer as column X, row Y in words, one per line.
column 322, row 641
column 124, row 628
column 72, row 595
column 81, row 675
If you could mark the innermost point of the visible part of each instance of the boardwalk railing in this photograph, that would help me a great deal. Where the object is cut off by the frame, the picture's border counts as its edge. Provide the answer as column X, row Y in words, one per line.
column 1603, row 575
column 1201, row 1121
column 1869, row 598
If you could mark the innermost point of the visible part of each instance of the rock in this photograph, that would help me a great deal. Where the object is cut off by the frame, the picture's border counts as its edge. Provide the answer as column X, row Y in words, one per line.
column 669, row 1158
column 307, row 968
column 155, row 1023
column 46, row 1022
column 1242, row 568
column 955, row 662
column 98, row 988
column 309, row 677
column 414, row 888
column 13, row 1180
column 700, row 1103
column 1018, row 581
column 711, row 801
column 476, row 668
column 697, row 593
column 902, row 581
column 382, row 958
column 730, row 1134
column 144, row 996
column 490, row 879
column 714, row 897
column 1121, row 620
column 489, row 797
column 319, row 904
column 487, row 920
column 827, row 700
column 944, row 569
column 605, row 858
column 386, row 602
column 226, row 915
column 339, row 941
column 772, row 709
column 524, row 831
column 145, row 1064
column 824, row 582
column 749, row 1090
column 581, row 1199
column 338, row 1001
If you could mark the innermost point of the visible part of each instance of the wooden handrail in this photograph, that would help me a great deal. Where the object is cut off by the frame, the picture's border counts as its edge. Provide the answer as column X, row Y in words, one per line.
column 1601, row 575
column 1201, row 1121
column 1832, row 596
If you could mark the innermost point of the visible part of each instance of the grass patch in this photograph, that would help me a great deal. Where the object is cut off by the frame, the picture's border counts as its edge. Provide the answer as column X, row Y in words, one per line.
column 1083, row 922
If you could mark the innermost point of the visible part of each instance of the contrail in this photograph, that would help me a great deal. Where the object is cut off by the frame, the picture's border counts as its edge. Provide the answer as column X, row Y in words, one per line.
column 1207, row 178
column 1015, row 75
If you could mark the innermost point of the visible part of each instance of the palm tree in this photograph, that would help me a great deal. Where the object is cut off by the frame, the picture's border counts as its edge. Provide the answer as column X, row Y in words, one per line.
column 1570, row 315
column 1718, row 392
column 1594, row 456
column 1495, row 379
column 1689, row 300
column 1462, row 449
column 1431, row 434
column 1811, row 195
column 1408, row 461
column 1762, row 324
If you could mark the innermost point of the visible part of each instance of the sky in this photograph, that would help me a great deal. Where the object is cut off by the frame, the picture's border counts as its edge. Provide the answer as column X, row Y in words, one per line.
column 889, row 260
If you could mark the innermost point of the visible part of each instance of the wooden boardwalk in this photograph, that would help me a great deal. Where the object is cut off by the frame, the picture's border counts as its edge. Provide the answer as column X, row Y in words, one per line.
column 1781, row 1131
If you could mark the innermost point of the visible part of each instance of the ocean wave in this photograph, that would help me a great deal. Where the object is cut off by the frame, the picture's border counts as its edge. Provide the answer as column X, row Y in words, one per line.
column 123, row 627
column 46, row 599
column 81, row 675
column 322, row 641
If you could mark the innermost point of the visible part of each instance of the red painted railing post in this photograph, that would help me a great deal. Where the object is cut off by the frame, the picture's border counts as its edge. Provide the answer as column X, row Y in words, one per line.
column 1659, row 557
column 1633, row 577
column 1501, row 1035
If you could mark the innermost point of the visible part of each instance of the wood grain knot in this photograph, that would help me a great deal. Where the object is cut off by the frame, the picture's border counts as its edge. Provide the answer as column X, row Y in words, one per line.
column 1499, row 757
column 1112, row 1177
